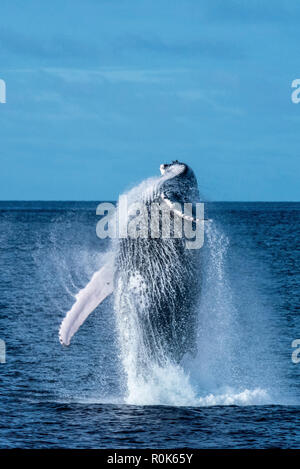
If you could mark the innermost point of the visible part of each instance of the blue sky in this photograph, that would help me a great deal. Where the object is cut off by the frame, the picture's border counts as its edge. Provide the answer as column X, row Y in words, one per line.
column 100, row 93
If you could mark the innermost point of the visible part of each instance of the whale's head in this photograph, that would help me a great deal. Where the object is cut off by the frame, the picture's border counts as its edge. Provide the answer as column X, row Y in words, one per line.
column 178, row 182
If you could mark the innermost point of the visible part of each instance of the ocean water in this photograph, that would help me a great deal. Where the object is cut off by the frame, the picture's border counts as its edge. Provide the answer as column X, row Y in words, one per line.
column 240, row 390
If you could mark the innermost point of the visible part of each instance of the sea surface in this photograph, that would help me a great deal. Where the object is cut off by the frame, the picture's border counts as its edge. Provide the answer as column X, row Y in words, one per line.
column 240, row 389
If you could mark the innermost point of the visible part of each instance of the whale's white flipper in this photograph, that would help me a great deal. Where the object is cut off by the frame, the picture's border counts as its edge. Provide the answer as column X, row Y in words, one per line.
column 99, row 287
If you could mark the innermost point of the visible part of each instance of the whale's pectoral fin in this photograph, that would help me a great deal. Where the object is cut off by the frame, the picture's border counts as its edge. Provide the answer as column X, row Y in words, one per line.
column 99, row 287
column 171, row 205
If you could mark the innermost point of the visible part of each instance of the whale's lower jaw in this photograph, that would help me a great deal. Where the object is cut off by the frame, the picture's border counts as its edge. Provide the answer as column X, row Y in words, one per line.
column 156, row 287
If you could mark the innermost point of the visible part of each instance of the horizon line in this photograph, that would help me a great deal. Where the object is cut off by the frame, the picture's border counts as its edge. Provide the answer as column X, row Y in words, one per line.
column 106, row 200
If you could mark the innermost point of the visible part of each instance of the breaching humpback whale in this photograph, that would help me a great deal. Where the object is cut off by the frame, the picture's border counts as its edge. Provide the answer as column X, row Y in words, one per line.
column 155, row 281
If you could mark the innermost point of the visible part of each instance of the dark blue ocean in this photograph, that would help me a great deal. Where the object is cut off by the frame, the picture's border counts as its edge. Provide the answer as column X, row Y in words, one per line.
column 240, row 390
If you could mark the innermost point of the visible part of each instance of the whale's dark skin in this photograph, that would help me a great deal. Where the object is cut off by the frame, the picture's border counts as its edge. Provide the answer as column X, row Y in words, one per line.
column 159, row 280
